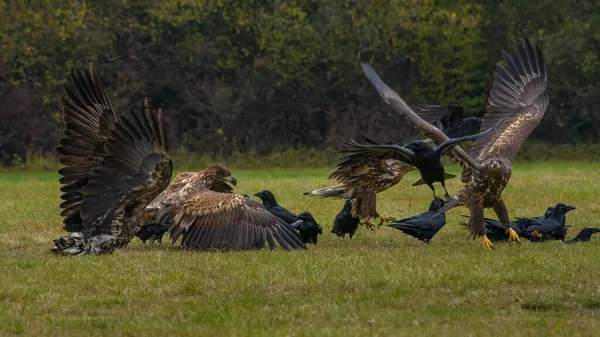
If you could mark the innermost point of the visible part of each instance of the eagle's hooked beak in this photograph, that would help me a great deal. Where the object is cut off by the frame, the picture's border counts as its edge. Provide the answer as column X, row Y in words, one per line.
column 230, row 180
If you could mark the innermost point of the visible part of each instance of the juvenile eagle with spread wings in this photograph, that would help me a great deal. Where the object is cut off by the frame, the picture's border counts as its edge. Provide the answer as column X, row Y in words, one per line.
column 113, row 168
column 201, row 208
column 519, row 96
column 361, row 182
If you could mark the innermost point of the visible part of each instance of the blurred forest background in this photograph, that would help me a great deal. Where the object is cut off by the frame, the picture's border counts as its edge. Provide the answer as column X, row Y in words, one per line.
column 260, row 77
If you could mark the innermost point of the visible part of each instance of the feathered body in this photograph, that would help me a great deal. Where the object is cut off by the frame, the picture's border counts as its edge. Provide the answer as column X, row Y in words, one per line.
column 361, row 182
column 209, row 220
column 344, row 222
column 422, row 226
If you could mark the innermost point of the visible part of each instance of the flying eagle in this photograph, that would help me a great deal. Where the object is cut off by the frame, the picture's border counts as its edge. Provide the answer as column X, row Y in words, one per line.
column 113, row 168
column 361, row 181
column 416, row 153
column 518, row 95
column 208, row 219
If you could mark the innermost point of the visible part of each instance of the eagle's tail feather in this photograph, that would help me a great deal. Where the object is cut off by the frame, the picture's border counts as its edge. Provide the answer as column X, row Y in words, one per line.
column 337, row 192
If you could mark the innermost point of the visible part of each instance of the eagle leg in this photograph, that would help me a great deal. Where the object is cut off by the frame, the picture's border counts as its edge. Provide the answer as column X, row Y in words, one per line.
column 367, row 223
column 476, row 223
column 383, row 219
column 448, row 197
column 487, row 243
column 502, row 213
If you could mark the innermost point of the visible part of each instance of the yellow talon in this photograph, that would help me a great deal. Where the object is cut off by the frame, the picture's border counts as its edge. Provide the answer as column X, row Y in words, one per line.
column 513, row 236
column 383, row 219
column 368, row 224
column 487, row 243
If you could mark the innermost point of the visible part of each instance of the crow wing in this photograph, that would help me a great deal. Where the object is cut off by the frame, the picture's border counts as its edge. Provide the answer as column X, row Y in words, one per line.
column 88, row 117
column 519, row 95
column 376, row 152
column 212, row 220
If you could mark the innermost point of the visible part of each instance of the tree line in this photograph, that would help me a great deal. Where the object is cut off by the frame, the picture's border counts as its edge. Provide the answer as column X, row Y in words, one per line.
column 267, row 75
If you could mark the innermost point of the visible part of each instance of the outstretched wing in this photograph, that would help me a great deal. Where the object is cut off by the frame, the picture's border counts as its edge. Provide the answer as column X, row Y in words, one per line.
column 134, row 171
column 361, row 153
column 88, row 117
column 430, row 131
column 213, row 220
column 519, row 95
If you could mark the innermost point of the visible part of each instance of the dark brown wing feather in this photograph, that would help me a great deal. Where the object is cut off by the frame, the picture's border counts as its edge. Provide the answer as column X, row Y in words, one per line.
column 377, row 175
column 134, row 171
column 212, row 220
column 519, row 95
column 88, row 117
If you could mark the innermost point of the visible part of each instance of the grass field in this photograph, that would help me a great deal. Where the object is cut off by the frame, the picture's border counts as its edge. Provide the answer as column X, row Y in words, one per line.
column 380, row 283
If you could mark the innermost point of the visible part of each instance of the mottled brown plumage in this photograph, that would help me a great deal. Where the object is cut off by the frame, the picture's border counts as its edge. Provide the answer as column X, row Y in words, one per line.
column 113, row 169
column 207, row 219
column 361, row 182
column 519, row 96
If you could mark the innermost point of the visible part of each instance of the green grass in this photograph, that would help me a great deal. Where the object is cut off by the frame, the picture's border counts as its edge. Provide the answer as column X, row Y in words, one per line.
column 378, row 284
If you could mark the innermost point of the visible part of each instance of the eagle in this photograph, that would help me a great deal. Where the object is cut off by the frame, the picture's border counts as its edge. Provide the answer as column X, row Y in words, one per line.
column 518, row 95
column 212, row 179
column 202, row 210
column 361, row 181
column 113, row 167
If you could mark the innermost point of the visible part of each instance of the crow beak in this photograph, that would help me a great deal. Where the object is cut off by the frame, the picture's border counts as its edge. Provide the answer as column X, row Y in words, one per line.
column 258, row 194
column 570, row 208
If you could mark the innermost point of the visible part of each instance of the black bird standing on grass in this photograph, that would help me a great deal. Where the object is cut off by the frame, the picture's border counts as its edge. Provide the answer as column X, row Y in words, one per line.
column 308, row 228
column 270, row 203
column 451, row 118
column 584, row 236
column 416, row 153
column 552, row 228
column 518, row 95
column 422, row 226
column 345, row 223
column 152, row 231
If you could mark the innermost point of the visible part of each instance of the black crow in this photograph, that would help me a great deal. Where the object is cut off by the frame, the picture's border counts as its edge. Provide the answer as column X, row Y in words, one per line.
column 152, row 231
column 551, row 228
column 345, row 223
column 269, row 201
column 308, row 228
column 422, row 226
column 450, row 117
column 584, row 236
column 416, row 153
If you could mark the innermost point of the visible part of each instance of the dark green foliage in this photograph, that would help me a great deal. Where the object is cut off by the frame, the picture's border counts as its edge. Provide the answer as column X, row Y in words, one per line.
column 268, row 75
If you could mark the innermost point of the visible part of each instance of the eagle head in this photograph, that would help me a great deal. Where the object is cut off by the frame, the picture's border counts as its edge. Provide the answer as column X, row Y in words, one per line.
column 495, row 165
column 218, row 178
